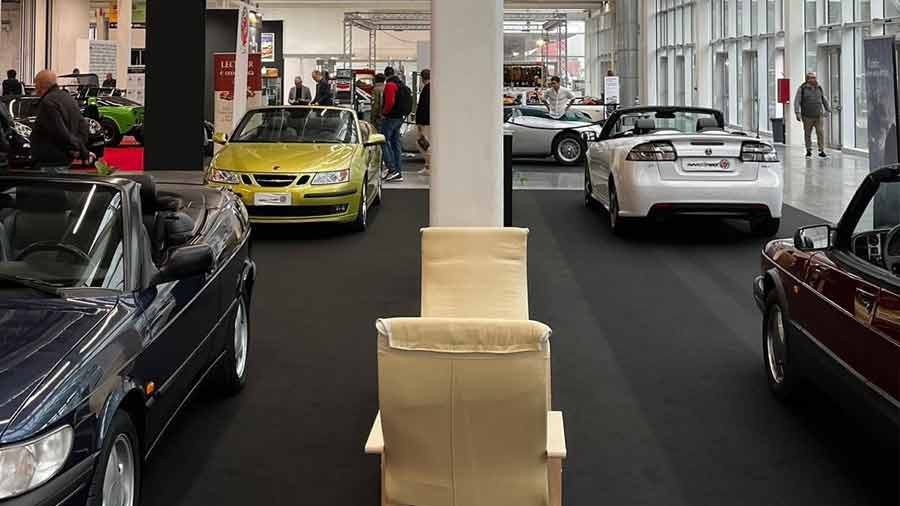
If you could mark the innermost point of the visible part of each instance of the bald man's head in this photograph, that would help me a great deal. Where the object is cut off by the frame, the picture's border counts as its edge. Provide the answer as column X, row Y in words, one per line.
column 45, row 80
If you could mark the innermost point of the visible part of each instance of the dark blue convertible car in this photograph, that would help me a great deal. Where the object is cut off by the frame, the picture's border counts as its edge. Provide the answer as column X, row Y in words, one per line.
column 117, row 298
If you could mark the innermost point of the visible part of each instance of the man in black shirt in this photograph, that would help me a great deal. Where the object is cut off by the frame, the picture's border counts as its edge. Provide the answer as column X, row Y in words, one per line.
column 109, row 82
column 12, row 86
column 60, row 131
column 324, row 97
column 423, row 121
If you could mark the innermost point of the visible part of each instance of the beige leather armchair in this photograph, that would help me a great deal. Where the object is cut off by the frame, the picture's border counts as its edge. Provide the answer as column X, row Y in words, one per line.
column 465, row 414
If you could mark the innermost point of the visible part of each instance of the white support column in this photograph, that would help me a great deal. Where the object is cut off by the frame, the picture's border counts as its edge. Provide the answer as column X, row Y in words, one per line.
column 467, row 113
column 794, row 65
column 123, row 39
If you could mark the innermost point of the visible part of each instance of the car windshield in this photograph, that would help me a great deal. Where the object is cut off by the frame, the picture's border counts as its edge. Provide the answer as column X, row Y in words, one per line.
column 687, row 122
column 297, row 125
column 570, row 116
column 60, row 236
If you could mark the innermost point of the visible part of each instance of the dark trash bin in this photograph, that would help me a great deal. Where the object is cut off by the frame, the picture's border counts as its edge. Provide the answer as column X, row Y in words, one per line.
column 778, row 130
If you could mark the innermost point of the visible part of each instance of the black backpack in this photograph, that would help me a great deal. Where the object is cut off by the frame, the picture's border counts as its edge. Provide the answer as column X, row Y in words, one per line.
column 404, row 100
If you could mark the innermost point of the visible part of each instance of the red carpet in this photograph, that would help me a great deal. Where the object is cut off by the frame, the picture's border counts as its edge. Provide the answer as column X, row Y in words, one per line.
column 125, row 159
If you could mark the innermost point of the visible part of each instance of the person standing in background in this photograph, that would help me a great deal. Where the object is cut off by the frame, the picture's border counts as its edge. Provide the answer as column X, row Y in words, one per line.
column 60, row 131
column 109, row 82
column 12, row 86
column 810, row 106
column 423, row 122
column 397, row 106
column 324, row 97
column 558, row 99
column 300, row 94
column 378, row 101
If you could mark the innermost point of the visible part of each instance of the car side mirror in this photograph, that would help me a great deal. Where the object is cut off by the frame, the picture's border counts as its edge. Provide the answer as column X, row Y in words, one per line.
column 185, row 262
column 220, row 138
column 814, row 238
column 376, row 140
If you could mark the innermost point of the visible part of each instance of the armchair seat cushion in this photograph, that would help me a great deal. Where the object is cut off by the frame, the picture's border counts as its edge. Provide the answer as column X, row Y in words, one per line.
column 464, row 335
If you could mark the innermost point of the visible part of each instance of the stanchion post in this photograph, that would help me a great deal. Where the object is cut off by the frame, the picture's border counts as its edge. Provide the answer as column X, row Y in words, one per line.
column 507, row 179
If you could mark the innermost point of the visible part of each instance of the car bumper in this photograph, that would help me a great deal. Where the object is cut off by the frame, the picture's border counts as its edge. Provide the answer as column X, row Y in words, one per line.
column 67, row 489
column 643, row 193
column 309, row 204
column 759, row 292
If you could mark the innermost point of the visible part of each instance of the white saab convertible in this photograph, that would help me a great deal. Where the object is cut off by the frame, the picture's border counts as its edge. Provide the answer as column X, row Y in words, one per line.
column 661, row 161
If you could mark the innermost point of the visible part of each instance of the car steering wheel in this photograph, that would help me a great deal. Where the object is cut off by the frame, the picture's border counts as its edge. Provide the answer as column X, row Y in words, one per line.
column 890, row 261
column 54, row 246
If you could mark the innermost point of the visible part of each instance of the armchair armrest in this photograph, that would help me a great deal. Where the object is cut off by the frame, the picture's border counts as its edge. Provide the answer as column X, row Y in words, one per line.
column 556, row 435
column 375, row 443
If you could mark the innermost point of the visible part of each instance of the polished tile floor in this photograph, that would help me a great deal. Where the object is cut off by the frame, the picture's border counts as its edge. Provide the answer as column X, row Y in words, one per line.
column 821, row 187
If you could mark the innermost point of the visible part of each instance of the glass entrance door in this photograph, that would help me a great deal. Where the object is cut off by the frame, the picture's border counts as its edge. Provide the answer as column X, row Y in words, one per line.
column 833, row 92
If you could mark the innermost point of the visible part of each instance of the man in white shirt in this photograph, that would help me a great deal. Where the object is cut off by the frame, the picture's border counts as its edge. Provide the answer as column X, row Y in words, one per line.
column 557, row 98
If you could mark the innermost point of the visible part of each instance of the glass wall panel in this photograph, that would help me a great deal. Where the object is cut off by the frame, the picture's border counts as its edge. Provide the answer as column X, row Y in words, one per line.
column 862, row 107
column 739, row 18
column 689, row 24
column 770, row 16
column 679, row 80
column 833, row 12
column 891, row 8
column 739, row 61
column 664, row 81
column 754, row 17
column 770, row 77
column 809, row 17
column 862, row 11
column 714, row 19
column 811, row 51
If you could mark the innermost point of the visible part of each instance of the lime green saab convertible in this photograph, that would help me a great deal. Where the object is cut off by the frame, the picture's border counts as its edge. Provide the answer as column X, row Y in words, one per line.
column 301, row 164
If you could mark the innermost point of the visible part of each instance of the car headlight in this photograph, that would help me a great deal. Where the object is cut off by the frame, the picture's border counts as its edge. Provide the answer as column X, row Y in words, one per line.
column 94, row 127
column 223, row 176
column 333, row 177
column 22, row 129
column 26, row 466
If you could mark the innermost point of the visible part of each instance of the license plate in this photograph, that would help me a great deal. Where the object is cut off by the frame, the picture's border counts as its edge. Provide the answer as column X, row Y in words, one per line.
column 707, row 165
column 272, row 199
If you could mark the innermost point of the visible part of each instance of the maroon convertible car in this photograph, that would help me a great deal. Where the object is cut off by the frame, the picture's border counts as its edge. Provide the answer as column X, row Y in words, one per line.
column 831, row 300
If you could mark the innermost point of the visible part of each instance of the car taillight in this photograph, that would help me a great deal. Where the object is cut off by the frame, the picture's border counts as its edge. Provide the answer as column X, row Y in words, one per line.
column 653, row 152
column 758, row 152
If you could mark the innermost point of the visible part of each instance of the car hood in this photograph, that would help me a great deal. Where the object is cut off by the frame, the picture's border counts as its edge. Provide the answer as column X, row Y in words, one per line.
column 35, row 338
column 286, row 158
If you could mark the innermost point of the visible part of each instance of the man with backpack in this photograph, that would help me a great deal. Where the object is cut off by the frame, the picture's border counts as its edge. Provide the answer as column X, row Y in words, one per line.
column 810, row 106
column 397, row 106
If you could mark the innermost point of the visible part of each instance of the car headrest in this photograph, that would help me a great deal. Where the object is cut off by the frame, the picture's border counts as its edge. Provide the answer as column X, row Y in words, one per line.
column 707, row 124
column 645, row 124
column 148, row 192
column 41, row 200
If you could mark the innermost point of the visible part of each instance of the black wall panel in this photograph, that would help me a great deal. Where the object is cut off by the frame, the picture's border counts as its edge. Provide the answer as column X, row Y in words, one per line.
column 173, row 120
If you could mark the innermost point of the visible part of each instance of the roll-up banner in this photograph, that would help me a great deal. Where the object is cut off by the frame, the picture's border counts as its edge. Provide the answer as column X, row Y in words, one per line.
column 881, row 96
column 225, row 88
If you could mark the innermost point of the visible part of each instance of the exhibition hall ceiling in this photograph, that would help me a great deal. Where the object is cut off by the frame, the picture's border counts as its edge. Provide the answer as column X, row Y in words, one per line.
column 419, row 4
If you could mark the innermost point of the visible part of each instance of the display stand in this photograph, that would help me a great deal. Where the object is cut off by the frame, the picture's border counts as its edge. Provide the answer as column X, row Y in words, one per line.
column 881, row 93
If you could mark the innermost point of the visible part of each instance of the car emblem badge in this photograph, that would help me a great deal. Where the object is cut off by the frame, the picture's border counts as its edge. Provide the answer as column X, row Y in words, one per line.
column 708, row 151
column 725, row 164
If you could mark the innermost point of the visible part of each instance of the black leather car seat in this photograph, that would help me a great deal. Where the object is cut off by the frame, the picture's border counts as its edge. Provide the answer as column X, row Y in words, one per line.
column 167, row 226
column 41, row 214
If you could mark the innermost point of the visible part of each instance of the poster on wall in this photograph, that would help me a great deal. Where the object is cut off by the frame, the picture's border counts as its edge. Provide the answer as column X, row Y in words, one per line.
column 224, row 85
column 611, row 89
column 881, row 96
column 267, row 47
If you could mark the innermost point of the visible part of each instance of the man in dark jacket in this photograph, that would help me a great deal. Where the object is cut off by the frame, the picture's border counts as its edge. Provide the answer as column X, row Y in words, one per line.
column 811, row 106
column 12, row 86
column 324, row 96
column 60, row 131
column 423, row 121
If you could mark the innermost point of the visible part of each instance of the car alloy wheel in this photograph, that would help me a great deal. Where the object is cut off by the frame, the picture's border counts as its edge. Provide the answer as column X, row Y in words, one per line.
column 119, row 477
column 775, row 345
column 569, row 150
column 241, row 339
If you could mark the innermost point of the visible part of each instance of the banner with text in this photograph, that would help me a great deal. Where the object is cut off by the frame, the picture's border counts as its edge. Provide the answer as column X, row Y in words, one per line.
column 881, row 96
column 224, row 65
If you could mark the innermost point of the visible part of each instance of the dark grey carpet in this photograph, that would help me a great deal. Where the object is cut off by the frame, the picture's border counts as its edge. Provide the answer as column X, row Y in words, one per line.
column 656, row 363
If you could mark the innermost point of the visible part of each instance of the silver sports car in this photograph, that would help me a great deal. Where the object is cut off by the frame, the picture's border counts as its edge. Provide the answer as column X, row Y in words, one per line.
column 536, row 134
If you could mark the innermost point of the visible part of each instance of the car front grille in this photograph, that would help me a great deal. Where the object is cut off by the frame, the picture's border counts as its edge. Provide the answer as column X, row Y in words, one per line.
column 276, row 180
column 295, row 211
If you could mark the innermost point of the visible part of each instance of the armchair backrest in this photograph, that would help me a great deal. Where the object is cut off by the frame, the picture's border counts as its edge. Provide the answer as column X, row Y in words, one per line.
column 475, row 273
column 464, row 411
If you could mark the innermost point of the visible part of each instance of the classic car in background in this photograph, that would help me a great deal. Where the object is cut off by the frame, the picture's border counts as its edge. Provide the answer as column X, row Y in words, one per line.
column 118, row 298
column 301, row 164
column 118, row 116
column 831, row 302
column 593, row 107
column 24, row 112
column 661, row 161
column 535, row 134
